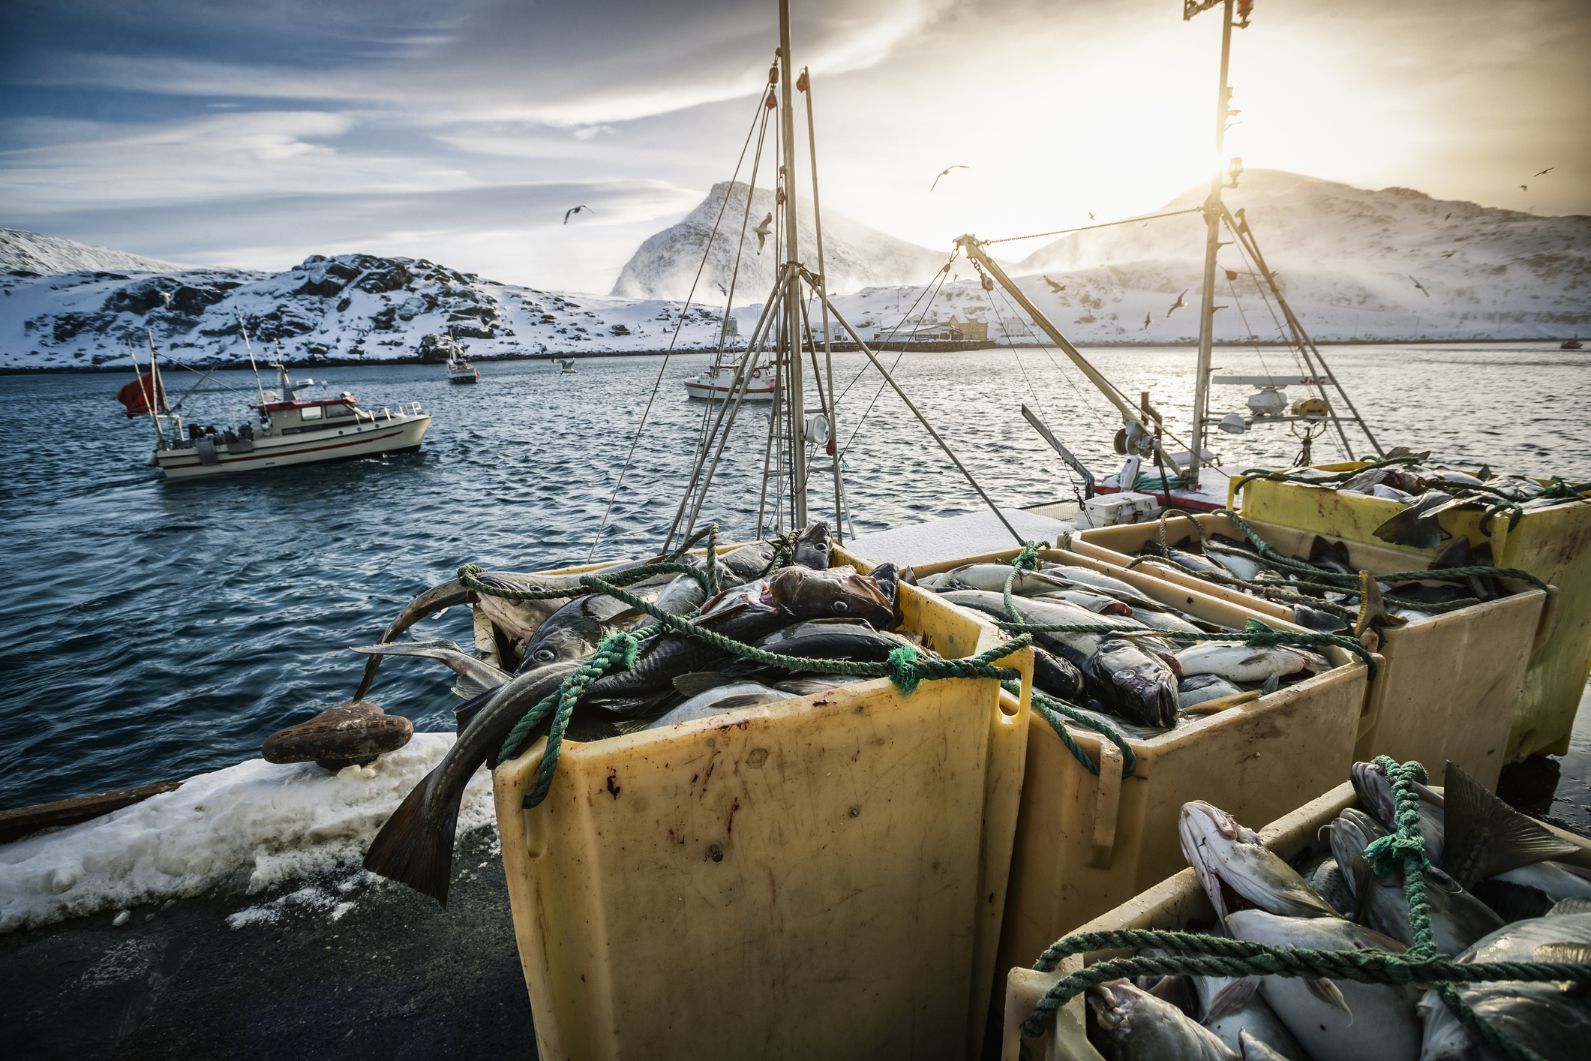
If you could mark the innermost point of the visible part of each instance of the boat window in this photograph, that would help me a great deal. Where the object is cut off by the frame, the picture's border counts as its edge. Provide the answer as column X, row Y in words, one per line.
column 309, row 412
column 338, row 410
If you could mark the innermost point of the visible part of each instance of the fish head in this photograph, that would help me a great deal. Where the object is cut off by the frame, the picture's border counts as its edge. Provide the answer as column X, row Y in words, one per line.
column 1238, row 871
column 839, row 591
column 1113, row 1003
column 813, row 546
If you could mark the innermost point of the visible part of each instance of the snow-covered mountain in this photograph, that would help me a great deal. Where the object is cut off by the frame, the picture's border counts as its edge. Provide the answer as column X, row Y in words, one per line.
column 349, row 306
column 1392, row 263
column 31, row 252
column 854, row 256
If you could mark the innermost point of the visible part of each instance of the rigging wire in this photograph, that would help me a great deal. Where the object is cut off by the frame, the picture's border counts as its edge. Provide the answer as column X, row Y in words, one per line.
column 1071, row 478
column 938, row 277
column 943, row 275
column 1089, row 228
column 684, row 313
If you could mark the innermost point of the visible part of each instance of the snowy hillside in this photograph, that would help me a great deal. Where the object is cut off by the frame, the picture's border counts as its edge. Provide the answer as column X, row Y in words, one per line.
column 34, row 253
column 350, row 306
column 854, row 255
column 1347, row 258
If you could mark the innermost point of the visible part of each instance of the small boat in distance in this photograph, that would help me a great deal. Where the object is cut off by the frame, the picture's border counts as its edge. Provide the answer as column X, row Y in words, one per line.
column 718, row 381
column 460, row 370
column 288, row 430
column 1570, row 344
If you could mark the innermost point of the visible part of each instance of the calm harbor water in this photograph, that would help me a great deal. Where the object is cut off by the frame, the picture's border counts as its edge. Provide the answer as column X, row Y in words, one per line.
column 152, row 630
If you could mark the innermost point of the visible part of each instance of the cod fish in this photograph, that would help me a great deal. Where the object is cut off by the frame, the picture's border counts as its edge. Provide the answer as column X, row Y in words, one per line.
column 1238, row 871
column 1249, row 663
column 415, row 846
column 717, row 701
column 1334, row 1020
column 1416, row 525
column 1133, row 682
column 1375, row 795
column 1552, row 1018
column 1230, row 1007
column 1458, row 919
column 575, row 630
column 475, row 675
column 1145, row 1028
column 1204, row 688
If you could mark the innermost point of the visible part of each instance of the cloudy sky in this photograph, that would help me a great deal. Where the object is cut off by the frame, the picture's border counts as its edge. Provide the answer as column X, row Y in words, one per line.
column 255, row 134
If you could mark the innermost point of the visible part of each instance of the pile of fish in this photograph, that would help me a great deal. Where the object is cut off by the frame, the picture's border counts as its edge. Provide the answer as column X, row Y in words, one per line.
column 803, row 609
column 1221, row 558
column 1429, row 491
column 1503, row 888
column 1144, row 684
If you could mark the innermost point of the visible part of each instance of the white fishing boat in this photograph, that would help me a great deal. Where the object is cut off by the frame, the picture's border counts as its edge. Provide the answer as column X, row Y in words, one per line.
column 287, row 429
column 722, row 380
column 459, row 370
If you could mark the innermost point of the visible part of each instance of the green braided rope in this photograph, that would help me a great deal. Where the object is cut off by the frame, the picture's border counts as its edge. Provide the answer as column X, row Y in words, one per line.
column 905, row 667
column 1057, row 712
column 1406, row 845
column 1258, row 635
column 616, row 651
column 1202, row 955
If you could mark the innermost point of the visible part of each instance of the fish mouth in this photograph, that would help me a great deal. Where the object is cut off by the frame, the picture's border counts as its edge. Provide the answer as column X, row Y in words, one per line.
column 1198, row 825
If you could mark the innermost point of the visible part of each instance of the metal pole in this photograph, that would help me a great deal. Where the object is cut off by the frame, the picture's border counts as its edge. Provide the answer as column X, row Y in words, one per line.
column 828, row 354
column 1212, row 244
column 250, row 347
column 1129, row 412
column 149, row 391
column 792, row 298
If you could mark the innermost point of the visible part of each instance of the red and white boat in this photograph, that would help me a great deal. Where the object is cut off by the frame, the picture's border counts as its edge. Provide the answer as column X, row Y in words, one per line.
column 288, row 430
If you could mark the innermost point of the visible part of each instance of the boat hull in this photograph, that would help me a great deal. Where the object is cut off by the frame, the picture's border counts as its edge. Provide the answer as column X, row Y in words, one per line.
column 471, row 378
column 397, row 435
column 707, row 391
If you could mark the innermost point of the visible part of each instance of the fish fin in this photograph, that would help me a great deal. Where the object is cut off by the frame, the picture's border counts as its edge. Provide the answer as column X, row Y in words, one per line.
column 1576, row 953
column 1570, row 906
column 469, row 686
column 1231, row 998
column 1271, row 684
column 1362, row 881
column 465, row 713
column 1485, row 836
column 1329, row 993
column 688, row 685
column 413, row 849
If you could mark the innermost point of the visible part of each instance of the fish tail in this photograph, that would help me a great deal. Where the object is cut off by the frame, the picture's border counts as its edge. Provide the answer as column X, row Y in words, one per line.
column 369, row 676
column 1485, row 836
column 415, row 849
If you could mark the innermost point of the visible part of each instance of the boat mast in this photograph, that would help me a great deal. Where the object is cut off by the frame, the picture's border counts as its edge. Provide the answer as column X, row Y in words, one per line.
column 1212, row 223
column 250, row 347
column 792, row 300
column 157, row 395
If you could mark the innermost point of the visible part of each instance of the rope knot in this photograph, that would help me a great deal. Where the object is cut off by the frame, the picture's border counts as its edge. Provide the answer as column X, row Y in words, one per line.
column 905, row 671
column 1385, row 855
column 620, row 649
column 1028, row 558
column 467, row 572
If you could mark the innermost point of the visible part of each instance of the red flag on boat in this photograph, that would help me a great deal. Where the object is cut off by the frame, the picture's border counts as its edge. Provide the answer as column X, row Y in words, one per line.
column 138, row 396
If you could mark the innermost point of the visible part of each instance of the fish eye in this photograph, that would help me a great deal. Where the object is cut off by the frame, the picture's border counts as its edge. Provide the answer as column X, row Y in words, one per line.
column 544, row 655
column 840, row 606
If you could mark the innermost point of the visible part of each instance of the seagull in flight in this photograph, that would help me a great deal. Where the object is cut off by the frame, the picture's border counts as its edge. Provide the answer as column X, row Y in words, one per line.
column 945, row 172
column 1147, row 318
column 1091, row 216
column 1544, row 172
column 572, row 211
column 1421, row 286
column 763, row 229
column 1179, row 303
column 1057, row 288
column 1449, row 254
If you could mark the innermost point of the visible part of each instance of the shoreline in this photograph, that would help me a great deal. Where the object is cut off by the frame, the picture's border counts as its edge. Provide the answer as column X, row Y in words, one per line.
column 355, row 362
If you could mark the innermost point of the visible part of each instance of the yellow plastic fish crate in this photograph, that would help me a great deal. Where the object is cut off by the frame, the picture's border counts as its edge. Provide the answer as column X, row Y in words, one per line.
column 754, row 884
column 1085, row 843
column 1446, row 686
column 1178, row 902
column 1554, row 544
